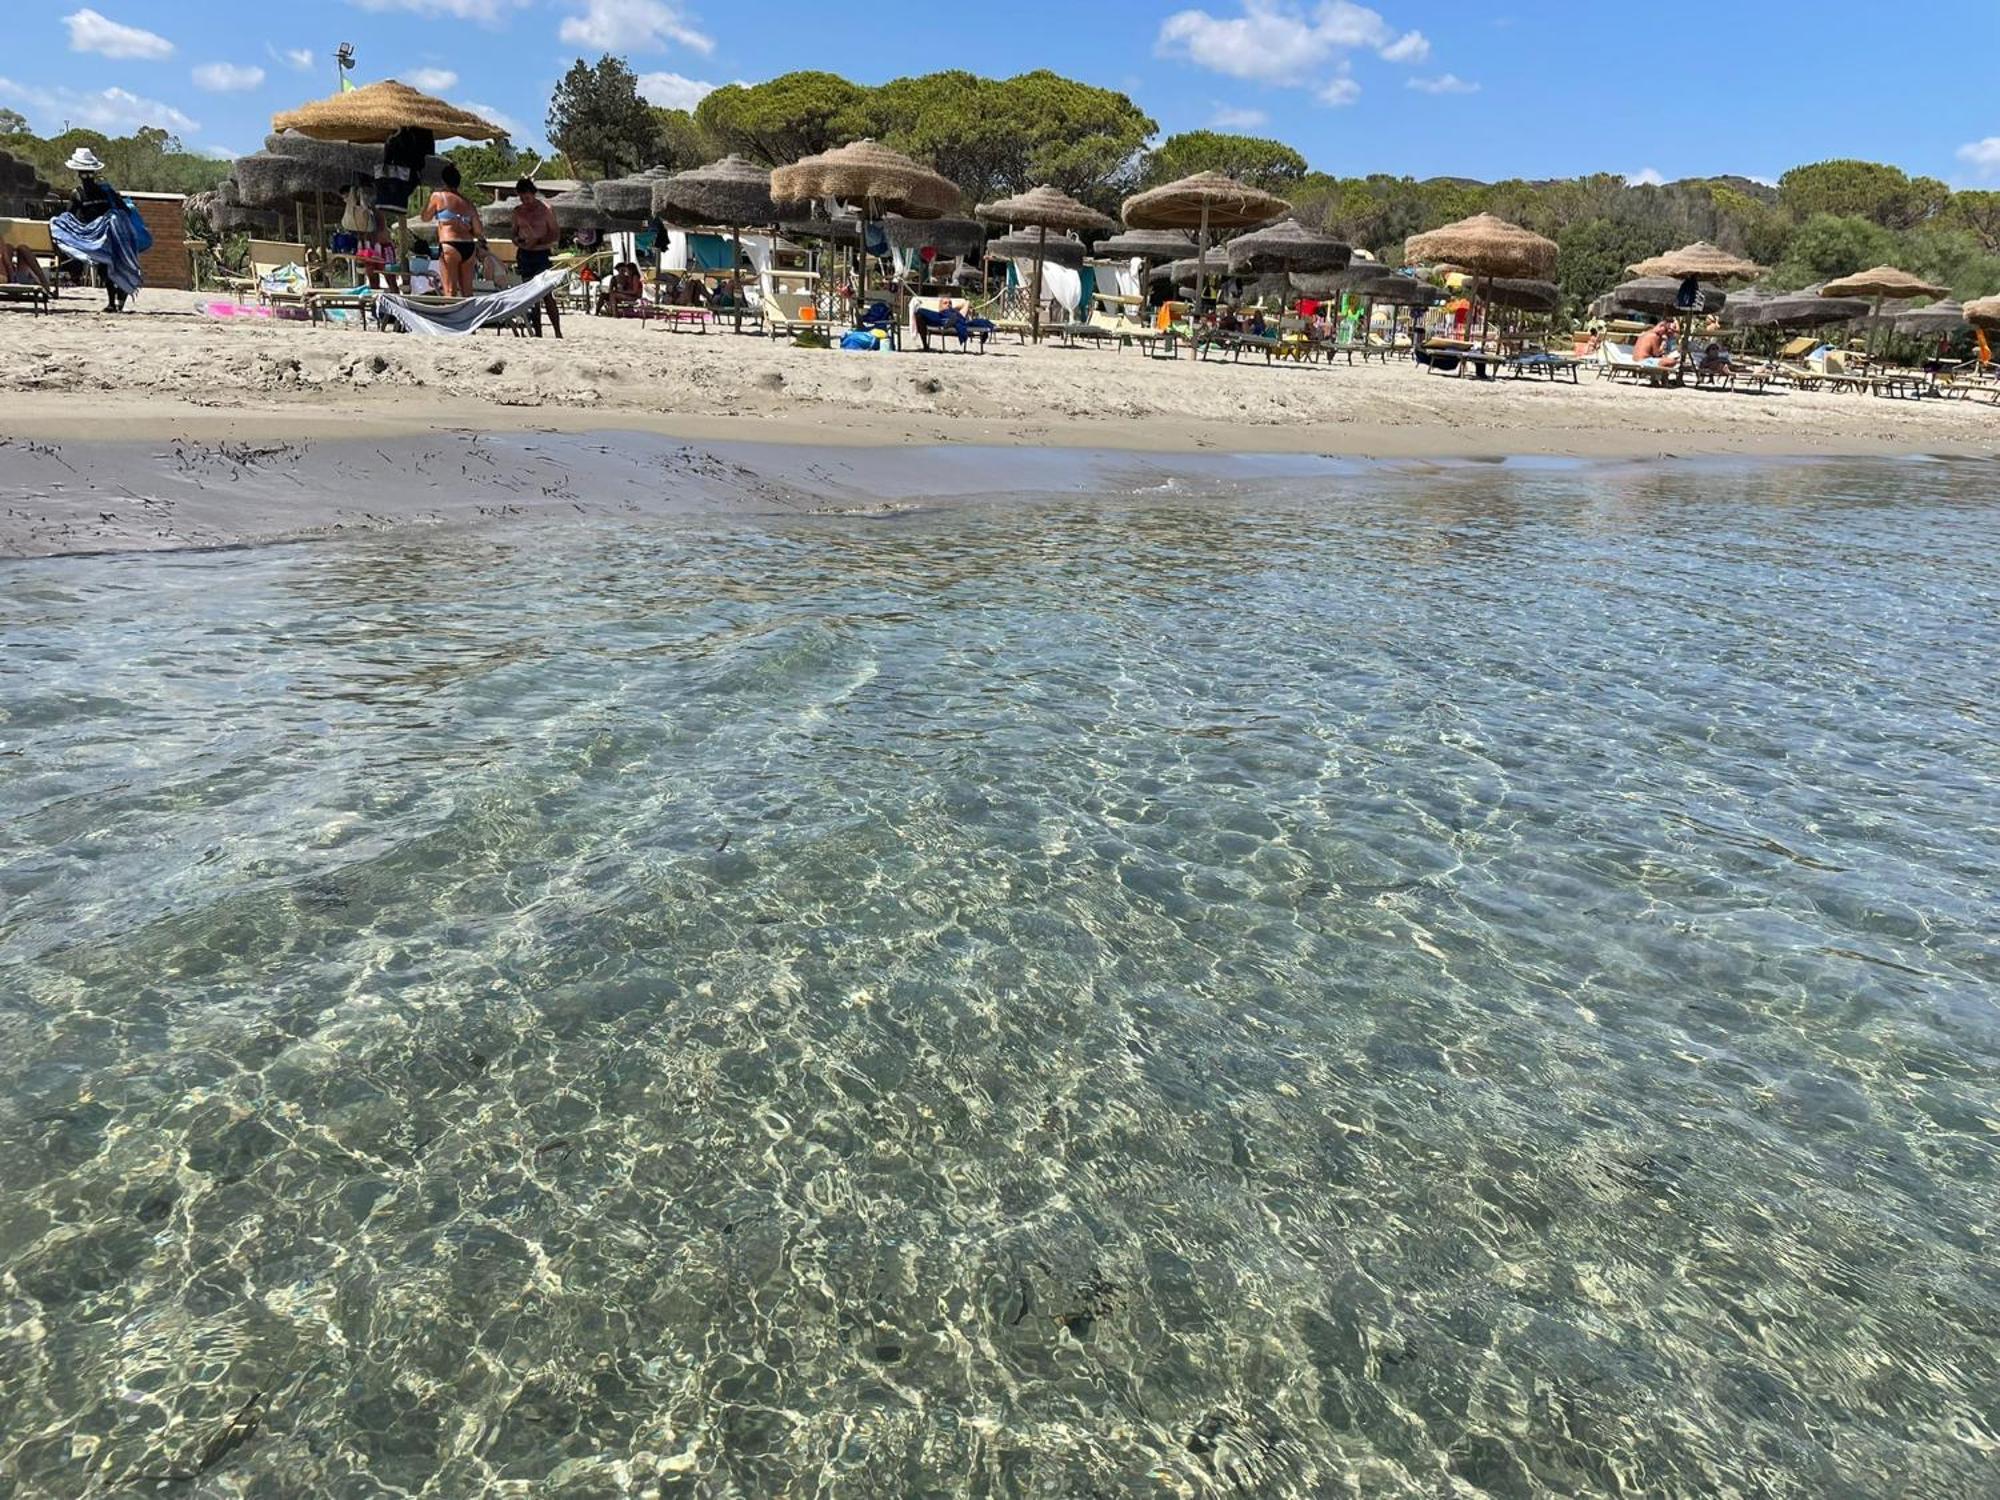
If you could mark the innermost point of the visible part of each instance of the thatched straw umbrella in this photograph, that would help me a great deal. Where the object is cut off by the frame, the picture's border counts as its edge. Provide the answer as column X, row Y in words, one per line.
column 1486, row 247
column 873, row 181
column 731, row 192
column 1148, row 244
column 1947, row 316
column 1062, row 250
column 630, row 197
column 961, row 239
column 372, row 113
column 1881, row 283
column 339, row 156
column 1042, row 209
column 1699, row 261
column 1809, row 308
column 1205, row 202
column 1690, row 265
column 1661, row 294
column 1984, row 314
column 1288, row 248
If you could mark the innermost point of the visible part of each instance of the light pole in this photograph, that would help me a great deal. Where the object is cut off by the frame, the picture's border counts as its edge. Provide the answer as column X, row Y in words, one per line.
column 343, row 61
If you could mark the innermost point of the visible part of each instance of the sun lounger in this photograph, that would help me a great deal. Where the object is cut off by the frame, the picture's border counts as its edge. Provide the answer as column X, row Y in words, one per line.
column 675, row 319
column 1539, row 362
column 31, row 235
column 1616, row 362
column 929, row 317
column 788, row 314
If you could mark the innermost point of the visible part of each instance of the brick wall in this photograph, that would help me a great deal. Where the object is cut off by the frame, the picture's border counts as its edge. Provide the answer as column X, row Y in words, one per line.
column 166, row 264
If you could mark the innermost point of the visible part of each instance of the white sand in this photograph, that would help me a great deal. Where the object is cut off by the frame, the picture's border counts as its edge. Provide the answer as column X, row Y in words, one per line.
column 172, row 369
column 168, row 428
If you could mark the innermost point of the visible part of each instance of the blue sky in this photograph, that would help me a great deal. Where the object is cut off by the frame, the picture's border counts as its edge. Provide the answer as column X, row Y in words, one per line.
column 1499, row 88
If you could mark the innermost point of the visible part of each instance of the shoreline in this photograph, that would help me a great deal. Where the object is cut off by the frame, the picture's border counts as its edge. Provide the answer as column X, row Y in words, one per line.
column 248, row 486
column 74, row 417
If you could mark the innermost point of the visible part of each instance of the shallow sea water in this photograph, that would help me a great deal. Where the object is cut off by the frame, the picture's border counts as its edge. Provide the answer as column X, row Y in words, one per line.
column 1370, row 985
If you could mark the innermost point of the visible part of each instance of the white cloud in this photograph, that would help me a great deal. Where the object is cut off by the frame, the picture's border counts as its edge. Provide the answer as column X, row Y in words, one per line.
column 633, row 26
column 219, row 153
column 1410, row 47
column 299, row 57
column 497, row 117
column 1230, row 117
column 113, row 111
column 90, row 32
column 431, row 80
column 673, row 91
column 227, row 78
column 1280, row 42
column 455, row 10
column 1982, row 156
column 1644, row 177
column 1444, row 83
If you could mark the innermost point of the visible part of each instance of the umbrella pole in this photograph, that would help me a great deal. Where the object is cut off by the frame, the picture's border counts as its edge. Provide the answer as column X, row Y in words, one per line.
column 861, row 297
column 1035, row 306
column 736, row 277
column 1200, row 278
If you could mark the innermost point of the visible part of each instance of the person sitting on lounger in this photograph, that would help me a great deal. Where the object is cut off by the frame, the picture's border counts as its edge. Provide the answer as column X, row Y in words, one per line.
column 1655, row 346
column 18, row 267
column 625, row 292
column 1714, row 363
column 950, row 317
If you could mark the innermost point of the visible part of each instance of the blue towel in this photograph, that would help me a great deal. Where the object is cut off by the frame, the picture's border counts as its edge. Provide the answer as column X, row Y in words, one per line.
column 115, row 242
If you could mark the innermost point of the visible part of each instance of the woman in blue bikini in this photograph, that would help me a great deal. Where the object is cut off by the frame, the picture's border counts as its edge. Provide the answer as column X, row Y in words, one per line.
column 459, row 234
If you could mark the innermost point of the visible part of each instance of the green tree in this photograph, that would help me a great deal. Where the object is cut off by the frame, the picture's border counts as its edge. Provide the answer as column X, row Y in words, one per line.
column 1593, row 257
column 994, row 136
column 682, row 142
column 598, row 120
column 1267, row 164
column 1830, row 245
column 497, row 162
column 1953, row 258
column 1979, row 214
column 784, row 118
column 1874, row 191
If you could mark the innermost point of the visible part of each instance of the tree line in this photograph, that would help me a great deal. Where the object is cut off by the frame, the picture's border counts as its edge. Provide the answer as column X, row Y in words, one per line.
column 994, row 136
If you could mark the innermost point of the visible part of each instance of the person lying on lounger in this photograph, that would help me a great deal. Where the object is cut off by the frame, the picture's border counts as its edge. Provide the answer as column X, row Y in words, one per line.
column 950, row 317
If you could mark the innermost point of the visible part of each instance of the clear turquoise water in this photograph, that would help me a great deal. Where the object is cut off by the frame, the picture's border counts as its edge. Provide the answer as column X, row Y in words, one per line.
column 1370, row 986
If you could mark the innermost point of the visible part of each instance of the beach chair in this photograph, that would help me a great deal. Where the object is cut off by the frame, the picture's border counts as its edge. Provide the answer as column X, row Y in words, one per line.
column 927, row 319
column 1616, row 362
column 266, row 258
column 1531, row 363
column 788, row 314
column 31, row 235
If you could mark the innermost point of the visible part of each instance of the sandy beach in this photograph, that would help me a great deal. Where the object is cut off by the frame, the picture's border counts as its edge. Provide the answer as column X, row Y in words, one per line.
column 168, row 427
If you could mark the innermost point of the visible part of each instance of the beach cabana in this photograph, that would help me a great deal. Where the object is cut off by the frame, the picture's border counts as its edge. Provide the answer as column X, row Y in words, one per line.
column 732, row 193
column 1485, row 247
column 1204, row 203
column 1042, row 209
column 873, row 181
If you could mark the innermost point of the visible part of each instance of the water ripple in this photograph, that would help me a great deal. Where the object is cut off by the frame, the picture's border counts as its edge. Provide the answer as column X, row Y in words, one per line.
column 1370, row 986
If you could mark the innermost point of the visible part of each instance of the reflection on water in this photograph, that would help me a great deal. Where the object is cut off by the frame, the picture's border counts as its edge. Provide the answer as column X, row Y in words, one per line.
column 1477, row 985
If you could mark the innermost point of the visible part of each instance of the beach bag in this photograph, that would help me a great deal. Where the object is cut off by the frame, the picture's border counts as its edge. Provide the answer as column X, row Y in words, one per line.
column 359, row 215
column 859, row 340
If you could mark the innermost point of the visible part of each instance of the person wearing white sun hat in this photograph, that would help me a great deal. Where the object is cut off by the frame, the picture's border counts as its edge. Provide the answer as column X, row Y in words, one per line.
column 102, row 228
